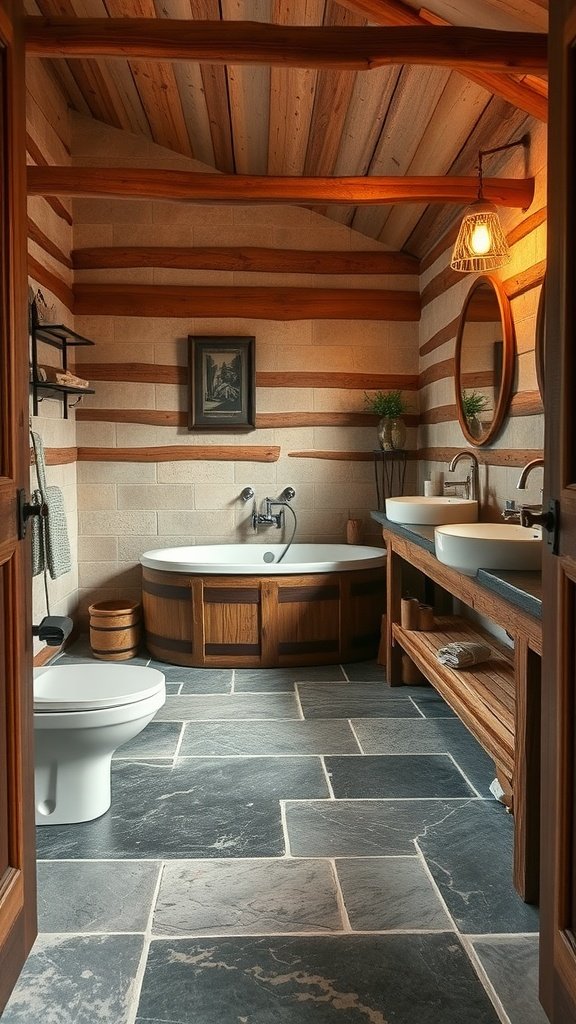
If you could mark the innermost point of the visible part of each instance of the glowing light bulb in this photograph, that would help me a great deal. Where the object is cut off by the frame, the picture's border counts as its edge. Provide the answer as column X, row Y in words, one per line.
column 481, row 239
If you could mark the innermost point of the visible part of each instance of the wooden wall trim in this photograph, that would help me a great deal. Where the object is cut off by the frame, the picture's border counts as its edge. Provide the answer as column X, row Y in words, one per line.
column 264, row 421
column 52, row 282
column 256, row 303
column 39, row 158
column 157, row 373
column 36, row 235
column 354, row 456
column 513, row 286
column 523, row 403
column 514, row 457
column 57, row 456
column 526, row 226
column 195, row 186
column 326, row 46
column 438, row 371
column 183, row 453
column 245, row 258
column 446, row 333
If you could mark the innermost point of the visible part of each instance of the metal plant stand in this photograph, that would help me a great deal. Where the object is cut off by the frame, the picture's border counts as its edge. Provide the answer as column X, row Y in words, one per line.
column 389, row 474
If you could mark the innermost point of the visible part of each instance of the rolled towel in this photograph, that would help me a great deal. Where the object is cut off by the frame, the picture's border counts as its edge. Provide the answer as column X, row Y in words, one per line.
column 463, row 655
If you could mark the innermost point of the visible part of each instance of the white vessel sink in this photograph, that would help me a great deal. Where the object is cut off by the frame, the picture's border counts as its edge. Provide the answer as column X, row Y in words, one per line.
column 472, row 546
column 417, row 511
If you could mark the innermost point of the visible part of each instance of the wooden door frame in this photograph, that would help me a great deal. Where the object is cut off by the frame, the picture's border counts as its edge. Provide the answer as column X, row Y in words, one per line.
column 558, row 879
column 18, row 885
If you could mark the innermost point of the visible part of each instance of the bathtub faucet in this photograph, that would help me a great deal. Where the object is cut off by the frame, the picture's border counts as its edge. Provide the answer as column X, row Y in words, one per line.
column 268, row 517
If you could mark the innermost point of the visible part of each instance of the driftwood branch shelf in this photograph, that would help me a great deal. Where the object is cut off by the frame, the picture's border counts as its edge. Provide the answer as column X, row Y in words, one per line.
column 499, row 700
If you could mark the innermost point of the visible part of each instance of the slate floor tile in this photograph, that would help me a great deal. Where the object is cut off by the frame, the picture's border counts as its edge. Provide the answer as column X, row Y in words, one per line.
column 429, row 736
column 85, row 979
column 384, row 893
column 313, row 980
column 202, row 808
column 470, row 856
column 262, row 680
column 363, row 828
column 364, row 672
column 158, row 739
column 80, row 652
column 431, row 705
column 249, row 897
column 511, row 963
column 173, row 688
column 396, row 776
column 196, row 680
column 95, row 896
column 192, row 708
column 357, row 700
column 205, row 738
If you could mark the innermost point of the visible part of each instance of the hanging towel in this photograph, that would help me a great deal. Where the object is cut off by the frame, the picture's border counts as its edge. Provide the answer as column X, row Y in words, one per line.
column 50, row 543
column 463, row 655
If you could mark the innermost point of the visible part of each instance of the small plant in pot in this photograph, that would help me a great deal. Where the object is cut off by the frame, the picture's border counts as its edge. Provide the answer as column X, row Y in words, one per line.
column 390, row 406
column 473, row 403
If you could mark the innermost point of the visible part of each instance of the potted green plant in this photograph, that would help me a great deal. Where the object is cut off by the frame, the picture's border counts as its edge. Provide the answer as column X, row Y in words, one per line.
column 473, row 403
column 390, row 406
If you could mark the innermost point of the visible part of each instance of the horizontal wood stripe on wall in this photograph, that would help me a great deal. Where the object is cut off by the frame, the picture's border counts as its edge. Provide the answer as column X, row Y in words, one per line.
column 302, row 46
column 526, row 226
column 513, row 457
column 183, row 453
column 51, row 282
column 162, row 373
column 245, row 258
column 57, row 456
column 35, row 234
column 258, row 303
column 513, row 286
column 38, row 157
column 527, row 403
column 532, row 277
column 438, row 371
column 447, row 333
column 354, row 456
column 265, row 420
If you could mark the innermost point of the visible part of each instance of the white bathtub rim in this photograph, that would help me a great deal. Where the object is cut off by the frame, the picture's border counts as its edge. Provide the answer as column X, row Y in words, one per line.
column 329, row 558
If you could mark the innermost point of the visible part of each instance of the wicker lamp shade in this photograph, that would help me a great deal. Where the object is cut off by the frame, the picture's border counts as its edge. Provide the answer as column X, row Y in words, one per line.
column 481, row 244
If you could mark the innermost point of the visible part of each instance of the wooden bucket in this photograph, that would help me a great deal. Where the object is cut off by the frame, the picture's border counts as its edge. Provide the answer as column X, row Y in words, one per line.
column 114, row 629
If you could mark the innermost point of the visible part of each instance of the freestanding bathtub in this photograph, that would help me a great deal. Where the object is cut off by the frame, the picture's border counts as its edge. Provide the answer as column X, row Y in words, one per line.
column 235, row 605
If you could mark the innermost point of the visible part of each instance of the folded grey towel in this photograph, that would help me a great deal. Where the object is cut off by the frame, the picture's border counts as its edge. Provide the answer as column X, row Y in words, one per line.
column 463, row 655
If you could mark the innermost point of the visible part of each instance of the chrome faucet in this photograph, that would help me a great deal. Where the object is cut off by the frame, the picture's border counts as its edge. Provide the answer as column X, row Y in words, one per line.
column 531, row 515
column 471, row 484
column 270, row 518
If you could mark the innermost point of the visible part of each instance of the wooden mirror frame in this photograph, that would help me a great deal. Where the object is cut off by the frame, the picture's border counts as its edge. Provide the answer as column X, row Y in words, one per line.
column 540, row 339
column 508, row 356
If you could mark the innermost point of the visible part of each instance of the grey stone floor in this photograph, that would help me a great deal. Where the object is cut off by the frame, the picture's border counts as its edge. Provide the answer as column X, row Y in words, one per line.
column 302, row 845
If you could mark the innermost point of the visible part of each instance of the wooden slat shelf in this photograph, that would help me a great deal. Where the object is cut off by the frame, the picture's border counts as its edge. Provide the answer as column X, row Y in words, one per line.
column 482, row 696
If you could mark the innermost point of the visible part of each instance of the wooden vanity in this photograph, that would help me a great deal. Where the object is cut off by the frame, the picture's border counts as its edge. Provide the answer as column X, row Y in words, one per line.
column 499, row 700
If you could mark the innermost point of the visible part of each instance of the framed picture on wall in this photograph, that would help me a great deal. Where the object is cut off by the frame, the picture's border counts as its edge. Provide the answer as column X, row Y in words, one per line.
column 222, row 383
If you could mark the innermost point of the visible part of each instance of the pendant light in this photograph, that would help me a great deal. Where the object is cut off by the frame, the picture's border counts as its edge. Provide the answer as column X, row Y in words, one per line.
column 481, row 244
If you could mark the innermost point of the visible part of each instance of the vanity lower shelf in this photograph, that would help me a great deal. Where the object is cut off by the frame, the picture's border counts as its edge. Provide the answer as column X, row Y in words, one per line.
column 483, row 696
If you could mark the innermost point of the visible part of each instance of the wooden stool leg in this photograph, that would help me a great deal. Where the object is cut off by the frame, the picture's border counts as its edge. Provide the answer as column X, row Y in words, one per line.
column 381, row 659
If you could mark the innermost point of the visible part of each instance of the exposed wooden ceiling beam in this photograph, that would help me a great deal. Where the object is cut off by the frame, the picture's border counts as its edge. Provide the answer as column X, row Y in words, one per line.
column 245, row 258
column 243, row 42
column 528, row 96
column 189, row 186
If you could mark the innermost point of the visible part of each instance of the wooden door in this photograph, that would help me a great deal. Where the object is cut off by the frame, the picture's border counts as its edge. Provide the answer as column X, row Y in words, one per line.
column 558, row 883
column 17, row 863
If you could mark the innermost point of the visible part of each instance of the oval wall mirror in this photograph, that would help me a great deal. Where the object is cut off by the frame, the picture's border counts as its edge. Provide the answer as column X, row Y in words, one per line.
column 540, row 339
column 484, row 361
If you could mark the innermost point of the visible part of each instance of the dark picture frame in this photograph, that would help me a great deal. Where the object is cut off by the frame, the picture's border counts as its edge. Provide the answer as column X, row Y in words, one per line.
column 222, row 383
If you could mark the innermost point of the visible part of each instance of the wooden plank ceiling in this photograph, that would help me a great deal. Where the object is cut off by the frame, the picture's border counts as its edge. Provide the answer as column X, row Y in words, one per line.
column 259, row 120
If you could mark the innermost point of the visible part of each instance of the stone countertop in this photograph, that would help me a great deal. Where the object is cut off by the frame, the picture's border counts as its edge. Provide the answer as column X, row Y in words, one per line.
column 521, row 589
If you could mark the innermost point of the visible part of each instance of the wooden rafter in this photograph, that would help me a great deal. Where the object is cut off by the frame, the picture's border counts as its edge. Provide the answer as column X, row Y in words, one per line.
column 246, row 258
column 189, row 186
column 527, row 95
column 241, row 42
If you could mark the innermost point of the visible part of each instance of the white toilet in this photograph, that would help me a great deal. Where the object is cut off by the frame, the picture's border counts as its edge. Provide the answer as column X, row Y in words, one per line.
column 82, row 714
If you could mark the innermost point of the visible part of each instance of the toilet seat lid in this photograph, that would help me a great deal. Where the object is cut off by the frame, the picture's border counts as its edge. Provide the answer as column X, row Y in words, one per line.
column 86, row 687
